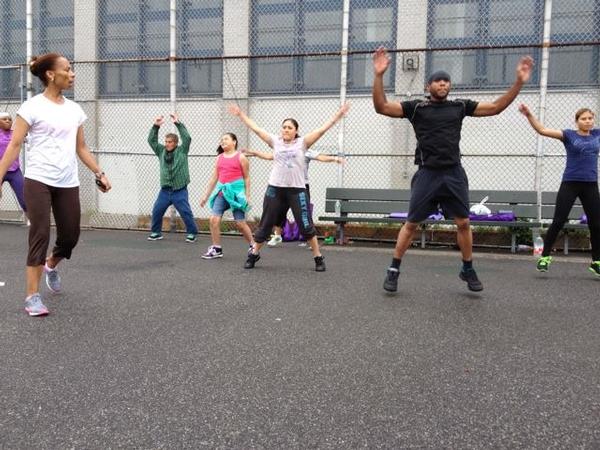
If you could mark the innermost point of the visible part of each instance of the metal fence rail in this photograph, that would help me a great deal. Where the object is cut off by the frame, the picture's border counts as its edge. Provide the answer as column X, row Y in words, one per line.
column 292, row 58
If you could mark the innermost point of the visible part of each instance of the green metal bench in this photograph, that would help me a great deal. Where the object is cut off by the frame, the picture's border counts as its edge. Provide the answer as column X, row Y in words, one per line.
column 351, row 205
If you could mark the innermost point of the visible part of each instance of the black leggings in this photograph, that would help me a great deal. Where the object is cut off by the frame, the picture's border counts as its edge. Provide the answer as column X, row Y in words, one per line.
column 276, row 203
column 590, row 200
column 283, row 217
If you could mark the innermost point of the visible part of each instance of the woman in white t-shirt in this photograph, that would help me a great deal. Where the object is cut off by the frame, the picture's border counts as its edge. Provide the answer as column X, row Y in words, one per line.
column 54, row 130
column 287, row 181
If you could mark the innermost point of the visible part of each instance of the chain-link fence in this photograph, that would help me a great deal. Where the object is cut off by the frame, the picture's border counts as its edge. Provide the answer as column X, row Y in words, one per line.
column 292, row 58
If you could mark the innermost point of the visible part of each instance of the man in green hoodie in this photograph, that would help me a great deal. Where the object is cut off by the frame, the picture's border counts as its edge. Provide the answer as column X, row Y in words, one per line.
column 174, row 178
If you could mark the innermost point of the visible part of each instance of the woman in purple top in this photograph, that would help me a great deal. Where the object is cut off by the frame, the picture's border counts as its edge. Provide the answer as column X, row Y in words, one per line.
column 580, row 179
column 14, row 176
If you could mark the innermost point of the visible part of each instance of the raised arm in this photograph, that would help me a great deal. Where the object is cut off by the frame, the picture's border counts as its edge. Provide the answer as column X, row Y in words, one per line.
column 315, row 135
column 246, row 171
column 261, row 155
column 153, row 135
column 14, row 147
column 524, row 69
column 86, row 157
column 330, row 158
column 186, row 139
column 235, row 110
column 381, row 61
column 537, row 125
column 211, row 185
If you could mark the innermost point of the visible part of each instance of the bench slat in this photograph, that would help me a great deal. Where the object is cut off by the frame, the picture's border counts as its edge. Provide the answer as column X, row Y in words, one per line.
column 367, row 194
column 508, row 197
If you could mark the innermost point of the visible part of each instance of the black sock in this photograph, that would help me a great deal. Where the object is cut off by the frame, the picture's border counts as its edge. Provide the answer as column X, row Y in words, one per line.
column 396, row 263
column 467, row 265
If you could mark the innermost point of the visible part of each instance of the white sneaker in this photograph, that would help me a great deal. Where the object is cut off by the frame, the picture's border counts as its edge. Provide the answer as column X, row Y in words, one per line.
column 275, row 240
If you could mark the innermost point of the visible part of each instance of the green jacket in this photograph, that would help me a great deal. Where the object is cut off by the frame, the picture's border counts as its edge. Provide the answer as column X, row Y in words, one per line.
column 234, row 193
column 174, row 171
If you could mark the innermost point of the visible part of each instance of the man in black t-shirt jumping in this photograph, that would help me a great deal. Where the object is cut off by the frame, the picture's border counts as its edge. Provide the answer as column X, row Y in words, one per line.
column 440, row 179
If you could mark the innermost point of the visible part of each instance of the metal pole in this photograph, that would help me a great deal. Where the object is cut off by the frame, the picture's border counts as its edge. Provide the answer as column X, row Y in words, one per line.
column 343, row 87
column 29, row 55
column 173, row 54
column 542, row 106
column 29, row 44
column 173, row 81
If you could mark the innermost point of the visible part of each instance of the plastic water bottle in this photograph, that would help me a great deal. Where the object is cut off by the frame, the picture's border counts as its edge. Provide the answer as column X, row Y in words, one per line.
column 338, row 208
column 538, row 246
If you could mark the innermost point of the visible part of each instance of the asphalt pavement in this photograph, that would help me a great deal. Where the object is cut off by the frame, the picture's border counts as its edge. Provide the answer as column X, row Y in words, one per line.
column 150, row 346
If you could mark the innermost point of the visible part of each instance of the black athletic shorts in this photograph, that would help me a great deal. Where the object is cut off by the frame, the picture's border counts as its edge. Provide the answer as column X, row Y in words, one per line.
column 435, row 188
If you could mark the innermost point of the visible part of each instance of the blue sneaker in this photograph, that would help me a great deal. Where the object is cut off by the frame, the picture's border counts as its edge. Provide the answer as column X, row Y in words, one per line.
column 52, row 279
column 34, row 305
column 191, row 238
column 155, row 237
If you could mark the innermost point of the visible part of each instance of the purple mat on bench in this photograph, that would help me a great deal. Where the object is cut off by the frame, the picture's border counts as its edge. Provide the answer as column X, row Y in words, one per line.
column 500, row 216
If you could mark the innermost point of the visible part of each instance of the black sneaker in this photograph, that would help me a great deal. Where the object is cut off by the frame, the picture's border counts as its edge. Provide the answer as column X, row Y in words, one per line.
column 390, row 283
column 470, row 276
column 252, row 258
column 319, row 264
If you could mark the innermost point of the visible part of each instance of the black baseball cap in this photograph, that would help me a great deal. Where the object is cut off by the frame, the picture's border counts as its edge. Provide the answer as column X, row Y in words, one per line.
column 438, row 75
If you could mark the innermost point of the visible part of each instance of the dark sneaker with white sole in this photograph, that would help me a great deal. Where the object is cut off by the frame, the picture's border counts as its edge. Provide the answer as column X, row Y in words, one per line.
column 390, row 283
column 470, row 276
column 320, row 264
column 252, row 258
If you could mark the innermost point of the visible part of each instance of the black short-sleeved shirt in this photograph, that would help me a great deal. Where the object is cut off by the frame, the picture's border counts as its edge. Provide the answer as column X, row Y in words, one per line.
column 437, row 126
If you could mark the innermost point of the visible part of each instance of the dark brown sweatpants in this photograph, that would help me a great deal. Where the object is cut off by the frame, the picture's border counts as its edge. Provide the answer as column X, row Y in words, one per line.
column 64, row 203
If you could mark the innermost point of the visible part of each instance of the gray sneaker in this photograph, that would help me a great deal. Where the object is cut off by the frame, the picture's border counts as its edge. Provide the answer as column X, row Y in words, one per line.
column 52, row 280
column 390, row 283
column 34, row 305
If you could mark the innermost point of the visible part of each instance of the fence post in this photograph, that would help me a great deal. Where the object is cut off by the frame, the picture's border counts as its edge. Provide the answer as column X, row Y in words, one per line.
column 29, row 44
column 539, row 161
column 343, row 87
column 173, row 83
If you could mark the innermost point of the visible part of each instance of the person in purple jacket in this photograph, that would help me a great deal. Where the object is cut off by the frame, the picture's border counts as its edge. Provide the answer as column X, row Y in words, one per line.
column 13, row 176
column 580, row 179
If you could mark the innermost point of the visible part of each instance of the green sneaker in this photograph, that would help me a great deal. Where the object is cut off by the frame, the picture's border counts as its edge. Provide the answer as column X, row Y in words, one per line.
column 595, row 268
column 543, row 263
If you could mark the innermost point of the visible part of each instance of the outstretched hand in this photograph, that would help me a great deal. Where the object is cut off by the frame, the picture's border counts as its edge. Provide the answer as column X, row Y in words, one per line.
column 524, row 69
column 524, row 109
column 174, row 117
column 234, row 110
column 159, row 121
column 343, row 110
column 381, row 61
